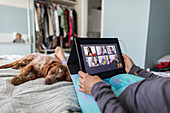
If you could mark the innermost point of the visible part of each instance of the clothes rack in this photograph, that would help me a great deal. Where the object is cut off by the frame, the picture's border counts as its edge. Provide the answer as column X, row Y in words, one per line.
column 55, row 24
column 62, row 2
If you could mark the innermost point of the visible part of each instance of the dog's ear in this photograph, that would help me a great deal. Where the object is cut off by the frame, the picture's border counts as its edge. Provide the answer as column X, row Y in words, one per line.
column 47, row 68
column 68, row 78
column 50, row 64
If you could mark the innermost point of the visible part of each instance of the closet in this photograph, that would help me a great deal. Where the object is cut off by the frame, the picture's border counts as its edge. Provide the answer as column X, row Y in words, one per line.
column 20, row 16
column 94, row 18
column 55, row 24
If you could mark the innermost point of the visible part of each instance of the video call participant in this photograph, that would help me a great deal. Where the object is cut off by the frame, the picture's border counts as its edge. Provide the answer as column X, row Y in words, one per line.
column 111, row 50
column 101, row 50
column 104, row 61
column 89, row 52
column 116, row 59
column 95, row 61
column 18, row 39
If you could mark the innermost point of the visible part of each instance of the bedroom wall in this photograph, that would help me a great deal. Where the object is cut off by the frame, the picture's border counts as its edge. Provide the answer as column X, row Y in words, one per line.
column 158, row 43
column 14, row 20
column 16, row 3
column 14, row 49
column 128, row 21
column 13, row 16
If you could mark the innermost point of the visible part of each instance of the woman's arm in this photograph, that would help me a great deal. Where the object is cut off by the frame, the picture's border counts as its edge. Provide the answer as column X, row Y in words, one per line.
column 135, row 70
column 106, row 99
column 102, row 93
column 131, row 68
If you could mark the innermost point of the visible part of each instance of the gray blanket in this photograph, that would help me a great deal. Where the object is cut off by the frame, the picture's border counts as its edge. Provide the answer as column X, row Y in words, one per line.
column 36, row 97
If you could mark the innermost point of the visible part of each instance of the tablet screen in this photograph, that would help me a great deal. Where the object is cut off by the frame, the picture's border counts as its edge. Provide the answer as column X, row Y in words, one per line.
column 101, row 57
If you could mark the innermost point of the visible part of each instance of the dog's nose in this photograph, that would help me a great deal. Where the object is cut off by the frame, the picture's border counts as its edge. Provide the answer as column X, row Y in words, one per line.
column 48, row 82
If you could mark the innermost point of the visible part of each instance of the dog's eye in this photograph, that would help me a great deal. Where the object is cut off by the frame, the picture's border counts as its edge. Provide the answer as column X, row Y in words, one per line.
column 52, row 72
column 57, row 79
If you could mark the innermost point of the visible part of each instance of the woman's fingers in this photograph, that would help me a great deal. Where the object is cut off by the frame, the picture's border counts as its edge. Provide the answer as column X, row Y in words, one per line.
column 82, row 74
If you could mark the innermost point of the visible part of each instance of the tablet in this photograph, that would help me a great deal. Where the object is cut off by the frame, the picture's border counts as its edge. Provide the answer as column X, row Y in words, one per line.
column 97, row 56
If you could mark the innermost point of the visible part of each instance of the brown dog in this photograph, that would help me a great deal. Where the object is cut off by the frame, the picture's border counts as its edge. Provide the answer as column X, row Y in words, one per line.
column 38, row 65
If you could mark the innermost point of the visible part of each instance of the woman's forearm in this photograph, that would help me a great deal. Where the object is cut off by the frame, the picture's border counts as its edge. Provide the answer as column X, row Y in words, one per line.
column 106, row 99
column 135, row 70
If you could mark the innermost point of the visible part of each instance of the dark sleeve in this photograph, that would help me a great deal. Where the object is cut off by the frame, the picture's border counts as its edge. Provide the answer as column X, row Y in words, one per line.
column 106, row 99
column 135, row 70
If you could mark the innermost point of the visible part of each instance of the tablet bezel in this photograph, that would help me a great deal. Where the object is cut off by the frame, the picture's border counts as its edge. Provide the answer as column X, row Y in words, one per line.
column 106, row 74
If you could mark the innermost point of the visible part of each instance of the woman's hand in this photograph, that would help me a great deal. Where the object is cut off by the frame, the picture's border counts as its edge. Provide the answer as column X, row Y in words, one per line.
column 59, row 53
column 86, row 82
column 128, row 63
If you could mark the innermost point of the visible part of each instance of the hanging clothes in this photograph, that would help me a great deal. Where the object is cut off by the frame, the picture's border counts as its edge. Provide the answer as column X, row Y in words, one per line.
column 63, row 23
column 66, row 12
column 75, row 22
column 38, row 32
column 56, row 25
column 38, row 15
column 56, row 21
column 36, row 21
column 72, row 22
column 42, row 15
column 71, row 30
column 50, row 26
column 44, row 19
column 51, row 10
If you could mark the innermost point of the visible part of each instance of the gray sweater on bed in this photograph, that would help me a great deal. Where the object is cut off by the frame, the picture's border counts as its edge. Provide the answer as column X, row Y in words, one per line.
column 151, row 95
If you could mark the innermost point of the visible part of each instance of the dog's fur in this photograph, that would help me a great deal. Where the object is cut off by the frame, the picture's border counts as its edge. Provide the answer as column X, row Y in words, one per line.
column 38, row 65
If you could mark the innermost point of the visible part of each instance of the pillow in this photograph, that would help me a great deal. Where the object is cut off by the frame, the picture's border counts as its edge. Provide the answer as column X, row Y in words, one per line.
column 118, row 82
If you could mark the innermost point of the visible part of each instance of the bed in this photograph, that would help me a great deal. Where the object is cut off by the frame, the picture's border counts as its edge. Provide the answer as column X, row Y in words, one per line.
column 34, row 96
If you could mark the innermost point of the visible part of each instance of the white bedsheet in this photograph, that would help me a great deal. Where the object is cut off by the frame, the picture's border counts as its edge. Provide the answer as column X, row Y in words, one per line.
column 5, row 59
column 34, row 96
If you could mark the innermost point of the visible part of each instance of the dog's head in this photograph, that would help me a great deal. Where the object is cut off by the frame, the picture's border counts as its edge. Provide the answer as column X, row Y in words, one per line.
column 57, row 72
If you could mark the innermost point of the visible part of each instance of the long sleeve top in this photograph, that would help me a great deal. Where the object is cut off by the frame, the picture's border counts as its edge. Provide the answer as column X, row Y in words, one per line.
column 151, row 95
